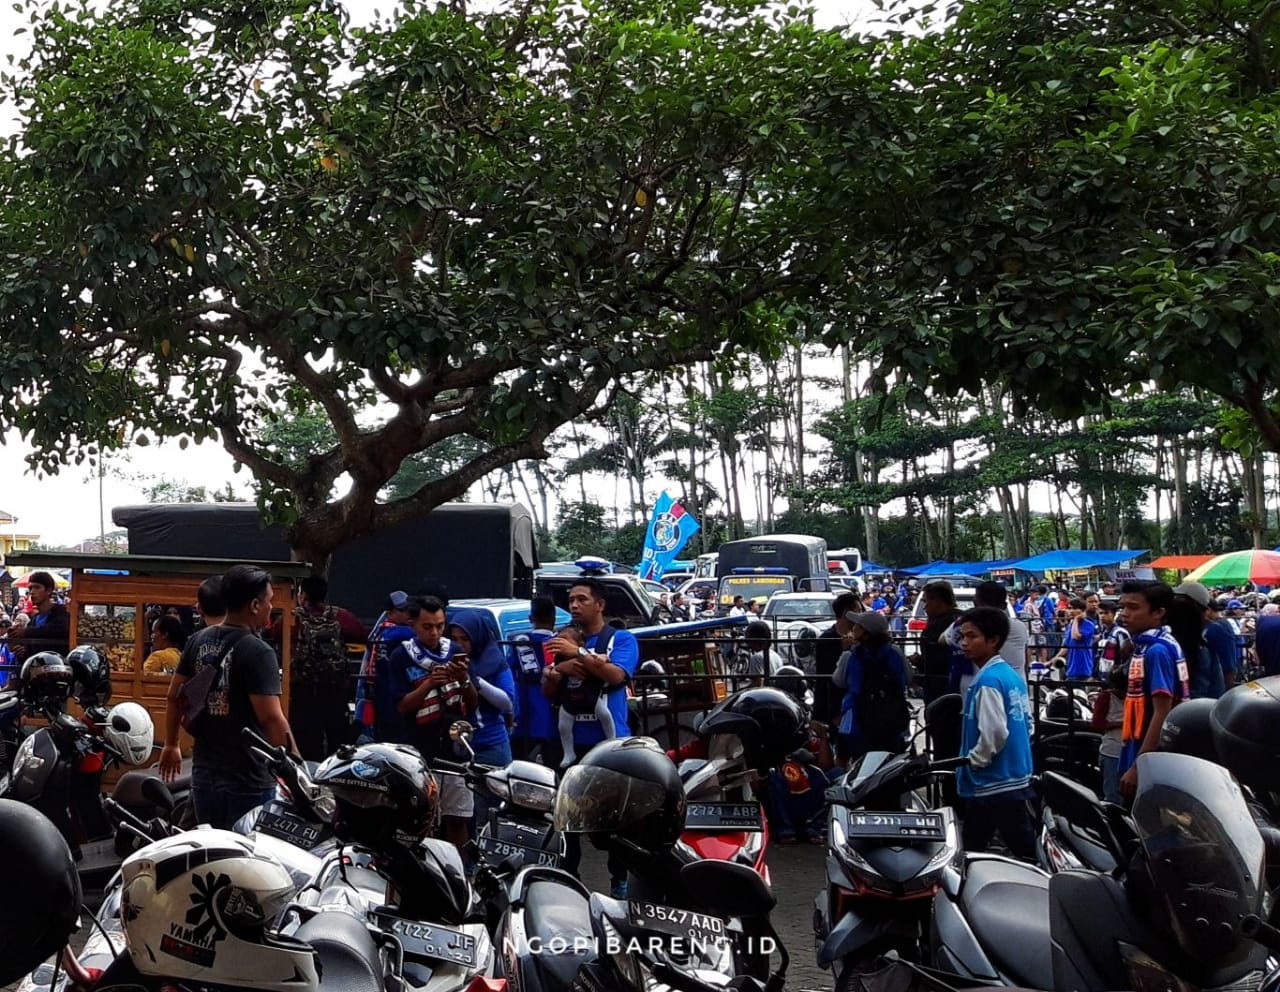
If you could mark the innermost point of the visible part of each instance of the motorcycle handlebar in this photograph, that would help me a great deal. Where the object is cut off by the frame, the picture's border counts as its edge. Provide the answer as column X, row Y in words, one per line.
column 287, row 767
column 947, row 764
column 451, row 767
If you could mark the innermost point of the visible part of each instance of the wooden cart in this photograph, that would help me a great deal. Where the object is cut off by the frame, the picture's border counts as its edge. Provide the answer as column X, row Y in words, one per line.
column 110, row 595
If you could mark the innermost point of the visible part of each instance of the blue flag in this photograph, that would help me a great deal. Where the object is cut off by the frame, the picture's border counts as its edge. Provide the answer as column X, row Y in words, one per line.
column 670, row 528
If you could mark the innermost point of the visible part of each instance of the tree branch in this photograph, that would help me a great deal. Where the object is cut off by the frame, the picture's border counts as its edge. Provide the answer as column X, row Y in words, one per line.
column 458, row 482
column 1252, row 397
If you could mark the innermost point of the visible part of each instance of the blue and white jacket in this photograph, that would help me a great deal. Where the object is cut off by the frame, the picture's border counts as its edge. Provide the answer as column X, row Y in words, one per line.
column 996, row 734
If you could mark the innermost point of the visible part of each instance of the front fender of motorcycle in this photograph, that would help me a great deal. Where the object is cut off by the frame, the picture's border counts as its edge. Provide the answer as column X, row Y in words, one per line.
column 862, row 927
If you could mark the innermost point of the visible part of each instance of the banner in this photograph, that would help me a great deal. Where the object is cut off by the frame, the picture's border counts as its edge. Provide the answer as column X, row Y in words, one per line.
column 1131, row 574
column 670, row 528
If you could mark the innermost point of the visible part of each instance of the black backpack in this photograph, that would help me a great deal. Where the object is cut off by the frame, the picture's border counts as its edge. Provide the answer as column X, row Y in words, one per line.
column 883, row 712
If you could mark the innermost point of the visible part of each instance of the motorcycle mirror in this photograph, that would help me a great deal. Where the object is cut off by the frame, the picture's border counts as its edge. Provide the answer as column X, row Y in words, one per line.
column 728, row 889
column 461, row 729
column 157, row 794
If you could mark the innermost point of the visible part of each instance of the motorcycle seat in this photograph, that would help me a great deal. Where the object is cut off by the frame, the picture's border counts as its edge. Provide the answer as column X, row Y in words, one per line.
column 346, row 952
column 128, row 790
column 1007, row 905
column 557, row 913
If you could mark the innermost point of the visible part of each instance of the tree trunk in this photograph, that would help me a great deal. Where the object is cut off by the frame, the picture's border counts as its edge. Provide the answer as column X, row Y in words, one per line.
column 871, row 514
column 800, row 417
column 1179, row 497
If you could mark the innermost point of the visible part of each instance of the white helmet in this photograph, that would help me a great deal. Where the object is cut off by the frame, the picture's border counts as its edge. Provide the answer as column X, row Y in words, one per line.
column 130, row 730
column 199, row 906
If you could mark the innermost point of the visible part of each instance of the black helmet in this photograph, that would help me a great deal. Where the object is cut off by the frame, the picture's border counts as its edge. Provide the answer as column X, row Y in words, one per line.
column 770, row 723
column 626, row 788
column 46, row 682
column 1246, row 732
column 39, row 861
column 1059, row 705
column 653, row 684
column 791, row 680
column 91, row 676
column 1188, row 729
column 380, row 790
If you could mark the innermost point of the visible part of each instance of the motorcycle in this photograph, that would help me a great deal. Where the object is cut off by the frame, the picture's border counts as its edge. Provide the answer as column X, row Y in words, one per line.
column 58, row 770
column 106, row 941
column 414, row 901
column 1190, row 875
column 886, row 855
column 723, row 819
column 554, row 935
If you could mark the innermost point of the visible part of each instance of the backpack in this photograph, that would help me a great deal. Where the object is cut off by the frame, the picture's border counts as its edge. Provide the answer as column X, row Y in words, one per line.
column 883, row 713
column 320, row 654
column 530, row 658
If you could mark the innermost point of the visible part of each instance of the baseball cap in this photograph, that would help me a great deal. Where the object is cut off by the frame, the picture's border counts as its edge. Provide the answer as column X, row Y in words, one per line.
column 872, row 623
column 1235, row 604
column 398, row 600
column 1195, row 592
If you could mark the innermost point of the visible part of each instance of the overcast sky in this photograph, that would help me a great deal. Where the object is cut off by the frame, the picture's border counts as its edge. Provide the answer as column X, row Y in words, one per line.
column 63, row 509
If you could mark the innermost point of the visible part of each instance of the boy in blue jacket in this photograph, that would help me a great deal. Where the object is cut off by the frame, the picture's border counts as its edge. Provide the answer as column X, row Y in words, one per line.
column 996, row 738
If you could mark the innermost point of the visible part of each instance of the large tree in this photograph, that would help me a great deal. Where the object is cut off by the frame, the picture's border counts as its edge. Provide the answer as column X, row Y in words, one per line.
column 449, row 224
column 1081, row 197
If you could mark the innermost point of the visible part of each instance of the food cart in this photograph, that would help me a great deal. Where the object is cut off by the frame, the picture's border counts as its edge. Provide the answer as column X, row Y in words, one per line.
column 695, row 656
column 111, row 594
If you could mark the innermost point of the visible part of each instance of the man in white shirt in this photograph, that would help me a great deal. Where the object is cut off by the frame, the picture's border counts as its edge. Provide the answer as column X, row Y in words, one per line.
column 1014, row 650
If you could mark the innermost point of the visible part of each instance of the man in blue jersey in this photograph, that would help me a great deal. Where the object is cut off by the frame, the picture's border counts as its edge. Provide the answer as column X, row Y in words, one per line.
column 433, row 688
column 996, row 738
column 610, row 655
column 535, row 737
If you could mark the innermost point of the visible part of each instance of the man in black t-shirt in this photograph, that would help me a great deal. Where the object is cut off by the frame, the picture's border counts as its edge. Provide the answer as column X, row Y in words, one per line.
column 940, row 608
column 226, row 780
column 827, row 649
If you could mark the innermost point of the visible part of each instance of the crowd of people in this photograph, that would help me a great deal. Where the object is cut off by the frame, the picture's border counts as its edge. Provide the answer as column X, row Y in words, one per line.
column 424, row 668
column 553, row 694
column 1135, row 651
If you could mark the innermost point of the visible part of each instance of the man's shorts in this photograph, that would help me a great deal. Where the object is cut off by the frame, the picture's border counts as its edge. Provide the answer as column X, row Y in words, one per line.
column 455, row 798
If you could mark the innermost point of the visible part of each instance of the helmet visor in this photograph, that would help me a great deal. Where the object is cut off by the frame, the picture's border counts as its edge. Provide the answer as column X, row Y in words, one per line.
column 600, row 800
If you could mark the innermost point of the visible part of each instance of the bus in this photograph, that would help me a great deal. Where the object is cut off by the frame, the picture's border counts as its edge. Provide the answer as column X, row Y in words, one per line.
column 760, row 566
column 852, row 557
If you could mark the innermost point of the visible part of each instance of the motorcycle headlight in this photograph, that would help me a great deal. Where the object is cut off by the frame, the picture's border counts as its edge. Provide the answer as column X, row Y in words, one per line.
column 532, row 795
column 498, row 786
column 324, row 803
column 628, row 964
column 26, row 760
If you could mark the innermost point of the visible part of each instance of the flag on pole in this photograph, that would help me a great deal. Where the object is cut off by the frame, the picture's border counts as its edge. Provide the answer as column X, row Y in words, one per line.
column 670, row 528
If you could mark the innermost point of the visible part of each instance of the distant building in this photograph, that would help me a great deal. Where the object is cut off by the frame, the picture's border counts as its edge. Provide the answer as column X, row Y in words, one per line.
column 10, row 539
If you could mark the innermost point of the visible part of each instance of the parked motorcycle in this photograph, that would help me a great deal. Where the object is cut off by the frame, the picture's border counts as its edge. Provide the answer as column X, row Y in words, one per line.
column 887, row 851
column 58, row 770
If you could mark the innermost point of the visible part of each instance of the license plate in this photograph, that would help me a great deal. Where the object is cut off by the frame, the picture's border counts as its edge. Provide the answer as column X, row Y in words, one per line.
column 275, row 821
column 677, row 922
column 430, row 940
column 723, row 816
column 500, row 850
column 909, row 826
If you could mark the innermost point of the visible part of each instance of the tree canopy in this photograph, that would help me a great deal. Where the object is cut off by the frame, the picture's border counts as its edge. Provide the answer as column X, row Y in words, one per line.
column 1080, row 198
column 444, row 225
